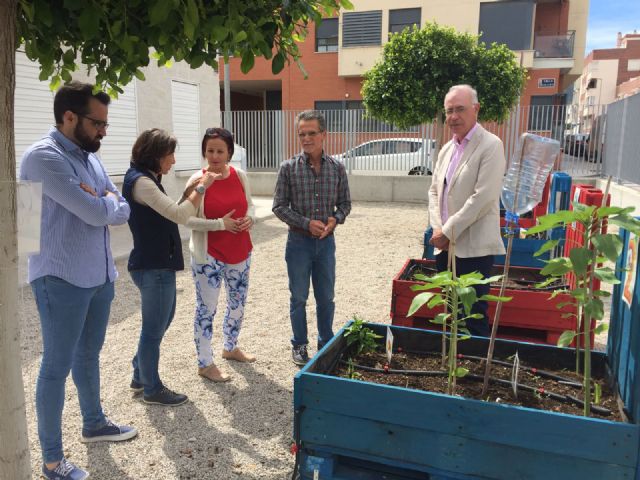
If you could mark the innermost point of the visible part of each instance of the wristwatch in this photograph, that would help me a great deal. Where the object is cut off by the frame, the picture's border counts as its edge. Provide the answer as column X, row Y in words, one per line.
column 201, row 189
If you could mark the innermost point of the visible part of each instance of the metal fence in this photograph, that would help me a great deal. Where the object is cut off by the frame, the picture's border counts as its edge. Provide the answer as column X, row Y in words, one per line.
column 370, row 146
column 622, row 140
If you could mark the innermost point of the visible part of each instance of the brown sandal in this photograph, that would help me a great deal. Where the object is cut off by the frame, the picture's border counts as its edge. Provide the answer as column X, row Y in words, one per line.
column 238, row 355
column 213, row 373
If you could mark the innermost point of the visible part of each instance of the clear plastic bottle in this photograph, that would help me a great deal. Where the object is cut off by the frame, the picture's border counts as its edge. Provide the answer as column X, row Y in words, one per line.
column 528, row 171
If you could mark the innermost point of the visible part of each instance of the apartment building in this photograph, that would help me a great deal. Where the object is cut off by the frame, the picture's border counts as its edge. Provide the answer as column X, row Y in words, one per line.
column 607, row 72
column 547, row 36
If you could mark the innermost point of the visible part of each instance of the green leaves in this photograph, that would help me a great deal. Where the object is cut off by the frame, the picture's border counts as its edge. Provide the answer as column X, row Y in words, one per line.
column 247, row 61
column 407, row 87
column 606, row 275
column 566, row 338
column 557, row 267
column 115, row 38
column 580, row 259
column 418, row 301
column 548, row 245
column 608, row 244
column 277, row 64
column 627, row 222
column 159, row 11
column 361, row 338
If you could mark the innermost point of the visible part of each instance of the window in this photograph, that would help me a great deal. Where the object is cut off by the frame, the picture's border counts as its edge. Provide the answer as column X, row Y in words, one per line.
column 327, row 35
column 362, row 28
column 403, row 18
column 508, row 22
column 633, row 65
column 541, row 113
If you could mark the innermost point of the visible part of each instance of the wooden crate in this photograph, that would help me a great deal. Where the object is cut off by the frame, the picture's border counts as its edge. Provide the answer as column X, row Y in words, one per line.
column 340, row 422
column 530, row 316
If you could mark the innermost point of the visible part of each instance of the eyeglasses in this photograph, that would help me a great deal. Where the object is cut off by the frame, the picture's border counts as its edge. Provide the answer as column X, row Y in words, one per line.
column 99, row 124
column 456, row 110
column 301, row 135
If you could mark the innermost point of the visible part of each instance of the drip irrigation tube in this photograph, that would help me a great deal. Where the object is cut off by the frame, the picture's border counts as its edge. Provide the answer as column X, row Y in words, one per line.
column 480, row 378
column 541, row 373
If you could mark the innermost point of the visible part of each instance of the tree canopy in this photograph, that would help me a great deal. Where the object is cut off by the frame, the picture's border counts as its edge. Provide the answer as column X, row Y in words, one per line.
column 407, row 87
column 115, row 37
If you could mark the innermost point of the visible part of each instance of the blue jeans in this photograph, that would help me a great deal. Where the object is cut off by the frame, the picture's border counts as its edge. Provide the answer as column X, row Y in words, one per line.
column 308, row 257
column 158, row 296
column 74, row 323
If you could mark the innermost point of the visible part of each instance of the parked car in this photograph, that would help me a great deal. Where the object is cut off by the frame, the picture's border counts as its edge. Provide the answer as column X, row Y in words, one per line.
column 239, row 157
column 581, row 145
column 412, row 155
column 576, row 144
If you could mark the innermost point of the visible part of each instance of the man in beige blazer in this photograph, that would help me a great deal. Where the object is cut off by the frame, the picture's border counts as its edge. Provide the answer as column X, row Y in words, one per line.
column 464, row 196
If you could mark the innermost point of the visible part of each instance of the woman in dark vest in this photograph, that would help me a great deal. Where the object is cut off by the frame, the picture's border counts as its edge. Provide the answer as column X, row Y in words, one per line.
column 156, row 254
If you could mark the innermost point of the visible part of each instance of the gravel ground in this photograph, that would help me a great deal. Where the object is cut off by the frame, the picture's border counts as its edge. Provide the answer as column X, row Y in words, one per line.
column 241, row 429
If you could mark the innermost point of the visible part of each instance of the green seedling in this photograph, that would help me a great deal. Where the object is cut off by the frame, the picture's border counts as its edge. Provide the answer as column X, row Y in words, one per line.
column 586, row 264
column 456, row 295
column 361, row 339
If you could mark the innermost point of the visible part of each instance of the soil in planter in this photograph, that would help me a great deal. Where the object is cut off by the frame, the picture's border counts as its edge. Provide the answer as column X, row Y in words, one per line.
column 466, row 387
column 519, row 278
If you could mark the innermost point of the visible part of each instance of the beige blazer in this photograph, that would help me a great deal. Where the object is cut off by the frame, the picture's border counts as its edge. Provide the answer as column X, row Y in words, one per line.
column 473, row 196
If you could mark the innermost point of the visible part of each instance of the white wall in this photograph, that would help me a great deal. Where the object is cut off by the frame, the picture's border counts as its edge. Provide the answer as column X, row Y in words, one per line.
column 145, row 104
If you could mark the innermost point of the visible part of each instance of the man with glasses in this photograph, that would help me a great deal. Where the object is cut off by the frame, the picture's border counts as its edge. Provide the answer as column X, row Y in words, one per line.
column 72, row 277
column 464, row 196
column 312, row 198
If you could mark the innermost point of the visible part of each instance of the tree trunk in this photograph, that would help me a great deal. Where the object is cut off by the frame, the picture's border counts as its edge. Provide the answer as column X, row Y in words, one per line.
column 14, row 445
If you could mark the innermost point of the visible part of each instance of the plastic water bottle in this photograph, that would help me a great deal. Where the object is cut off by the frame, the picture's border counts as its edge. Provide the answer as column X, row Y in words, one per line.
column 528, row 171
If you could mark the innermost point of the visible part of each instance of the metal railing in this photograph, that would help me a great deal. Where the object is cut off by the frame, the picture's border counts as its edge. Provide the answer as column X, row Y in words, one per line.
column 554, row 45
column 368, row 146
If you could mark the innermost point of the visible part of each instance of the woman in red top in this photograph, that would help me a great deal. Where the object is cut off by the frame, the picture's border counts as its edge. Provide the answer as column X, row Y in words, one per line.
column 222, row 255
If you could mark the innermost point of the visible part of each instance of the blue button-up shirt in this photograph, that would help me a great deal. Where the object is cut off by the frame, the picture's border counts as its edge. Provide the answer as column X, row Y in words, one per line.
column 74, row 235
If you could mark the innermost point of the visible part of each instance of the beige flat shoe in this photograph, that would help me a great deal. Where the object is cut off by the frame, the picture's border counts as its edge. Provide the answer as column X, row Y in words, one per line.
column 214, row 374
column 238, row 355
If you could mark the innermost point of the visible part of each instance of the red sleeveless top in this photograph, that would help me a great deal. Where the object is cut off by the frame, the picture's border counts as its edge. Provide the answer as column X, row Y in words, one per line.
column 219, row 199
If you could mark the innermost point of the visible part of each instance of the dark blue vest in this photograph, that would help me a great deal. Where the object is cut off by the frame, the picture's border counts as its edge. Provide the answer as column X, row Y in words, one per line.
column 156, row 239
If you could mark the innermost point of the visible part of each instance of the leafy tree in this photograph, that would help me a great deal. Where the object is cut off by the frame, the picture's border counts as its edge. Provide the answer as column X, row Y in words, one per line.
column 114, row 39
column 407, row 87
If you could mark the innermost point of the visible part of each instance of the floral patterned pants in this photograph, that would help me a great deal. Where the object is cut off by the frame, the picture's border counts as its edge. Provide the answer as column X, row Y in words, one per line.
column 208, row 278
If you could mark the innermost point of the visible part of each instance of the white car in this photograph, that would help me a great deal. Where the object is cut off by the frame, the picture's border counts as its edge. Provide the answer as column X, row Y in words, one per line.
column 239, row 157
column 411, row 155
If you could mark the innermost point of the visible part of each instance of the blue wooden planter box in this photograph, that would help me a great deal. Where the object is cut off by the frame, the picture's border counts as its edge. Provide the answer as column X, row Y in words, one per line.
column 349, row 429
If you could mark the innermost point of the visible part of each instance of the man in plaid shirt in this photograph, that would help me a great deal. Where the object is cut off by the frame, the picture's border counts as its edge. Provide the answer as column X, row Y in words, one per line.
column 312, row 197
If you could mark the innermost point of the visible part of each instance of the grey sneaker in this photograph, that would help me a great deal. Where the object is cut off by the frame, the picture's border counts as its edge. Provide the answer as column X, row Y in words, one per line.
column 109, row 433
column 165, row 397
column 64, row 471
column 300, row 355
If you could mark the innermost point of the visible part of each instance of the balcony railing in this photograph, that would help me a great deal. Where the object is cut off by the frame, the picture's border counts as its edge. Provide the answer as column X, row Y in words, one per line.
column 554, row 46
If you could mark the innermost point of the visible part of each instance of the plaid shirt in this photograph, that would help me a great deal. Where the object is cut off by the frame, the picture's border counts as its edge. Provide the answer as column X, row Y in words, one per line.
column 302, row 196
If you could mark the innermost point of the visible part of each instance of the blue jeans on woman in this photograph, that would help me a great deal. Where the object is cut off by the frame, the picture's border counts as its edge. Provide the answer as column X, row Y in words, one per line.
column 74, row 322
column 309, row 257
column 158, row 295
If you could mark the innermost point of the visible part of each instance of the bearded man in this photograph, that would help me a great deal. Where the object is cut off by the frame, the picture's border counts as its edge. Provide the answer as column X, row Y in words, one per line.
column 72, row 276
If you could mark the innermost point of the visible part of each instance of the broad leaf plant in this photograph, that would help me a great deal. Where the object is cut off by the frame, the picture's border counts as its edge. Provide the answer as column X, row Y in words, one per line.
column 457, row 296
column 587, row 263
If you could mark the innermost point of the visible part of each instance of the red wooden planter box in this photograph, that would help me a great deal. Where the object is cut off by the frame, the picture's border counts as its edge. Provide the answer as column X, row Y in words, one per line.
column 531, row 315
